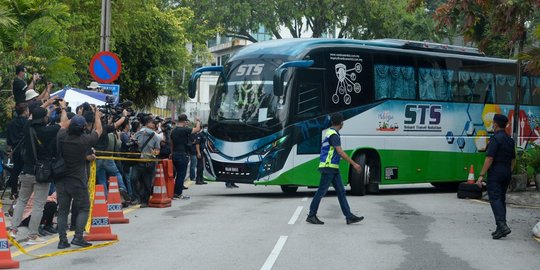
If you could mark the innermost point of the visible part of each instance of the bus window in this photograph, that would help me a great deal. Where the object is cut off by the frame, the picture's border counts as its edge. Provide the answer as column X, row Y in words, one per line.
column 475, row 87
column 526, row 90
column 393, row 81
column 535, row 90
column 505, row 88
column 436, row 84
column 309, row 85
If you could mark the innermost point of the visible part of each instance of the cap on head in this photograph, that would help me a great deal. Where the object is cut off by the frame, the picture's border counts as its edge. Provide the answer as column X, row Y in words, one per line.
column 501, row 120
column 30, row 94
column 38, row 115
column 183, row 118
column 78, row 121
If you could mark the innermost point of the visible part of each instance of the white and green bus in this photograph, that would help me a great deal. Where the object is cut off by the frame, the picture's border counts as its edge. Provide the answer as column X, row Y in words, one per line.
column 414, row 112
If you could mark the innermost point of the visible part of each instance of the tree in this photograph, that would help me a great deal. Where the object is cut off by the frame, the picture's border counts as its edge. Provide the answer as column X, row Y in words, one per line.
column 150, row 39
column 499, row 27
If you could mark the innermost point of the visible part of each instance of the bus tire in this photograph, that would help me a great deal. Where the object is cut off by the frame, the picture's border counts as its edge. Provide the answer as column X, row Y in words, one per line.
column 359, row 181
column 289, row 189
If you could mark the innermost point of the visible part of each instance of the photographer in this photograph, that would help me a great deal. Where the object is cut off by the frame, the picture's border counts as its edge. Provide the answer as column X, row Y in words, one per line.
column 143, row 172
column 15, row 135
column 36, row 134
column 19, row 86
column 108, row 167
column 179, row 148
column 74, row 185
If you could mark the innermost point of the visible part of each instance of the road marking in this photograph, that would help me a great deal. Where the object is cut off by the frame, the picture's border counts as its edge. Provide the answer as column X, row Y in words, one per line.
column 275, row 253
column 295, row 215
column 304, row 199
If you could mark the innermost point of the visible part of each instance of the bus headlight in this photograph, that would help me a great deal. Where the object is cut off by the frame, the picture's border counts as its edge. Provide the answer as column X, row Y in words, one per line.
column 265, row 150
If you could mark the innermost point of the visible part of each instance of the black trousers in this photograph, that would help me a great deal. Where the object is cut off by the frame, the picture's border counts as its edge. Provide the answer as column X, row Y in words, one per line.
column 49, row 210
column 68, row 190
column 144, row 174
column 200, row 168
column 497, row 185
column 13, row 181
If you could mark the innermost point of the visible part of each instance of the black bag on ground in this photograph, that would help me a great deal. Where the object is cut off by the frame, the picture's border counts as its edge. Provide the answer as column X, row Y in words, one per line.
column 469, row 191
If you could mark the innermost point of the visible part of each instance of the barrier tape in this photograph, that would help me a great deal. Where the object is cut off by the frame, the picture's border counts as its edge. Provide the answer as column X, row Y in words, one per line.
column 121, row 153
column 57, row 253
column 131, row 159
column 91, row 191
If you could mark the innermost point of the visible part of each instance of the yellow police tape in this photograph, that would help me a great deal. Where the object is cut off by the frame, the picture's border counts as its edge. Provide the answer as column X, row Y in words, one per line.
column 91, row 191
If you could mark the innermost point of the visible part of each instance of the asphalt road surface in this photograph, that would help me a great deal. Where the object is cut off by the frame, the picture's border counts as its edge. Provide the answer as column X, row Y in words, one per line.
column 411, row 227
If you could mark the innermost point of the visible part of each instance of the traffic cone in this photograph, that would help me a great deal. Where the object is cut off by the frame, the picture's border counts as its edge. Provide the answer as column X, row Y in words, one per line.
column 6, row 262
column 100, row 229
column 159, row 198
column 470, row 179
column 114, row 203
column 169, row 177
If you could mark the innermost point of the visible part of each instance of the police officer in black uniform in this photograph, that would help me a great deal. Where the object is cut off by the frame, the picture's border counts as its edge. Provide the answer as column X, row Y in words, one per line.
column 499, row 163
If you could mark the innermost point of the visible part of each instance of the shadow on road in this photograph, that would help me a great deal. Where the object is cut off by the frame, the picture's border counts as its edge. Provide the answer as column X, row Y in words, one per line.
column 303, row 192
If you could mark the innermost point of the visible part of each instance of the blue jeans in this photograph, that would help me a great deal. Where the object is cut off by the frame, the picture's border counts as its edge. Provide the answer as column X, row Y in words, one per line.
column 192, row 167
column 104, row 167
column 326, row 180
column 180, row 161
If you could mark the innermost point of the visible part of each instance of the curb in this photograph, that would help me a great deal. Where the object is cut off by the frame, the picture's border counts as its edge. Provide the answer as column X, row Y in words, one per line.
column 510, row 205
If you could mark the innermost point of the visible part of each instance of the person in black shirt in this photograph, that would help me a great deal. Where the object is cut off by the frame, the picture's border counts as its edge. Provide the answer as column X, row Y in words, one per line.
column 19, row 84
column 45, row 146
column 194, row 144
column 201, row 139
column 499, row 163
column 74, row 185
column 179, row 148
column 15, row 134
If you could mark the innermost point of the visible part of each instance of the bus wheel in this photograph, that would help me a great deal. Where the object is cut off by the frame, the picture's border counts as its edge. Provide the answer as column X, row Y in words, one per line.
column 289, row 189
column 359, row 181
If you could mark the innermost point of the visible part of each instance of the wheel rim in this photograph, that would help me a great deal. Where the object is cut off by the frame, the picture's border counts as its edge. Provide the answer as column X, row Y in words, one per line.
column 366, row 174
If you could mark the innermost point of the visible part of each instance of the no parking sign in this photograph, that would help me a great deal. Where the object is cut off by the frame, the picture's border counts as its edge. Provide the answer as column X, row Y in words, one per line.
column 105, row 67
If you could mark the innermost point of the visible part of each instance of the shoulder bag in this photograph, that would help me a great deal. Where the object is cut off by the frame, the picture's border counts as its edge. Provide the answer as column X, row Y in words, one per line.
column 42, row 169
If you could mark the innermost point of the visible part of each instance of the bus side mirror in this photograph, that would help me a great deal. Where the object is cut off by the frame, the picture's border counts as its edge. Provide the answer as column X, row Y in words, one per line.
column 280, row 72
column 192, row 85
column 278, row 81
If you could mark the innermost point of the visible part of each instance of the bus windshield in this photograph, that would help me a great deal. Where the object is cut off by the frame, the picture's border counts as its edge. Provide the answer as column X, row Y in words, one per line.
column 245, row 95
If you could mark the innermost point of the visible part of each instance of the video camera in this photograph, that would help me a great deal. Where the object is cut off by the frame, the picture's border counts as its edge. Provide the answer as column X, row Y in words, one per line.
column 110, row 109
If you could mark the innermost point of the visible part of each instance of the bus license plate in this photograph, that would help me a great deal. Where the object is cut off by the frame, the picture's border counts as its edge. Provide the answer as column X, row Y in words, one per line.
column 232, row 169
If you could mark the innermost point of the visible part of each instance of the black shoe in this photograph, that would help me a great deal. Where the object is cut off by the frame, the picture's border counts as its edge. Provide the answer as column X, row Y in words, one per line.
column 79, row 241
column 51, row 229
column 502, row 230
column 42, row 231
column 354, row 219
column 200, row 183
column 125, row 195
column 228, row 186
column 234, row 185
column 185, row 187
column 63, row 244
column 314, row 220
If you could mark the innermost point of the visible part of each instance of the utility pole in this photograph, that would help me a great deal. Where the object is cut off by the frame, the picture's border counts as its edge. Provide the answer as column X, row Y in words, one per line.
column 105, row 25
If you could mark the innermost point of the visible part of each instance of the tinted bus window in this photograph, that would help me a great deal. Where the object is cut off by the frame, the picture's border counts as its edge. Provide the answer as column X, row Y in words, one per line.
column 394, row 77
column 476, row 83
column 505, row 88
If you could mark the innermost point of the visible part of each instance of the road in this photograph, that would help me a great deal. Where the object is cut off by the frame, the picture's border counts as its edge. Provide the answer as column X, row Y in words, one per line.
column 418, row 227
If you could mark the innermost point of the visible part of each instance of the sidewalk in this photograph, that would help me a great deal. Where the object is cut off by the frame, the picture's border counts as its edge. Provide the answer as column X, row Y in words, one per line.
column 530, row 197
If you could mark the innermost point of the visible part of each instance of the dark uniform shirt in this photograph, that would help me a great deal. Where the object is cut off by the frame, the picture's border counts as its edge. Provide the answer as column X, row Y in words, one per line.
column 501, row 148
column 45, row 145
column 73, row 149
column 180, row 139
column 19, row 89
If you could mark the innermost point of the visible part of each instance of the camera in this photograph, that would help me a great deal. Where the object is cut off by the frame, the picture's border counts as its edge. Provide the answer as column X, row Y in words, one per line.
column 110, row 109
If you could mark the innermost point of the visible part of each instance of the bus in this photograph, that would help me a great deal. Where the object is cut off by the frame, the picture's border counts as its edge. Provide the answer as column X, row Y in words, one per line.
column 415, row 112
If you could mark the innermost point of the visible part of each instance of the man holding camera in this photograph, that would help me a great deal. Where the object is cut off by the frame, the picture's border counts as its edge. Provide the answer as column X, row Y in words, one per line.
column 179, row 148
column 108, row 167
column 39, row 138
column 143, row 172
column 19, row 84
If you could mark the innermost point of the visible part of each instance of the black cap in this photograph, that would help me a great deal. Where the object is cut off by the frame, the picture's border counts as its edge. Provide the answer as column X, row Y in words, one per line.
column 38, row 115
column 500, row 118
column 19, row 68
column 183, row 118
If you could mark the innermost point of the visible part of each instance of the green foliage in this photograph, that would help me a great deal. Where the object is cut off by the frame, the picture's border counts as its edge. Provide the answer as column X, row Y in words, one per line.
column 531, row 160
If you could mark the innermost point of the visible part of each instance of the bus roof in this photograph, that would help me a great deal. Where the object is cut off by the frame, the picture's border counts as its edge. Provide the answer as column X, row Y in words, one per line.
column 296, row 47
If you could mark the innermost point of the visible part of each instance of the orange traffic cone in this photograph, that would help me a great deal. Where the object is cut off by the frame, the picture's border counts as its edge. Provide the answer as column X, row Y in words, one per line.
column 5, row 254
column 114, row 203
column 100, row 229
column 169, row 177
column 470, row 179
column 159, row 198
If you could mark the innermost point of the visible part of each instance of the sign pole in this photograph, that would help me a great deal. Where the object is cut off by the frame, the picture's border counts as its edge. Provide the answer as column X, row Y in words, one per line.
column 105, row 25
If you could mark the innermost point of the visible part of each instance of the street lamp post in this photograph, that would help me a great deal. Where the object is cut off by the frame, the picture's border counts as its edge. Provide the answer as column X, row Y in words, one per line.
column 105, row 25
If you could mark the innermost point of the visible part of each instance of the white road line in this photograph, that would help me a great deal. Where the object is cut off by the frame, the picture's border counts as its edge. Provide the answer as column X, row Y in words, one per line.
column 295, row 215
column 304, row 199
column 275, row 253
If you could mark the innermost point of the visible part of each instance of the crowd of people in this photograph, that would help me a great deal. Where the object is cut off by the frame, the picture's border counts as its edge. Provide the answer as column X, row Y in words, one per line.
column 46, row 131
